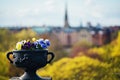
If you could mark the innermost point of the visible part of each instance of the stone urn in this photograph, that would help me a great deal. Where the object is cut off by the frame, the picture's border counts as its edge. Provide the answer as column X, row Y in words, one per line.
column 30, row 61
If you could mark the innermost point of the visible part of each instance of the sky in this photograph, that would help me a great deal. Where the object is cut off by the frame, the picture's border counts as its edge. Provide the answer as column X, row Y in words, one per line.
column 51, row 12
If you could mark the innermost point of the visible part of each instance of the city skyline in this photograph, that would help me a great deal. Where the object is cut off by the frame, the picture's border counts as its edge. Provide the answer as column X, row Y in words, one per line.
column 52, row 12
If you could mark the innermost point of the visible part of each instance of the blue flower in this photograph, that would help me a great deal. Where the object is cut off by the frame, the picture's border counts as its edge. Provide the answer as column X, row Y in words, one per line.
column 47, row 42
column 41, row 41
column 44, row 46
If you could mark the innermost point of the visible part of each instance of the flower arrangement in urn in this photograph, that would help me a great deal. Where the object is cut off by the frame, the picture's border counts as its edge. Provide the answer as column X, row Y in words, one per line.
column 34, row 45
column 31, row 55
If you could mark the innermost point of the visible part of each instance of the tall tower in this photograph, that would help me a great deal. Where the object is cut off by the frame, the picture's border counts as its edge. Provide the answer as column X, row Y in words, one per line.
column 66, row 24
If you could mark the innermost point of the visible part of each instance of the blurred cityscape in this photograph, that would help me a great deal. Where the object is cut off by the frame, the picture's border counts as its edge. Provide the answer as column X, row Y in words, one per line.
column 68, row 35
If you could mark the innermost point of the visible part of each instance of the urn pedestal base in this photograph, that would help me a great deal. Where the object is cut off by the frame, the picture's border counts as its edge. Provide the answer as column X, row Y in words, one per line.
column 17, row 78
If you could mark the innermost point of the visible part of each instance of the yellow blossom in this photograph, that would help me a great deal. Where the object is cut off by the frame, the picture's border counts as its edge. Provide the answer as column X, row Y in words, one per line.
column 33, row 39
column 19, row 46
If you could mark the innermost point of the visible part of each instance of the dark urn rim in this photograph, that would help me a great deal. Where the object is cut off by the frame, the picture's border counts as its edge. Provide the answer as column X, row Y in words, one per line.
column 24, row 51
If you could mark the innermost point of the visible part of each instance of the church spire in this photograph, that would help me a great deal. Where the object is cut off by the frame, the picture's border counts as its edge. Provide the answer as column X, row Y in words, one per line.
column 66, row 24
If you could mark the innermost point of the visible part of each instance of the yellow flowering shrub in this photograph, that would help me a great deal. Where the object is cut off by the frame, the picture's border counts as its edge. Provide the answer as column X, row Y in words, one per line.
column 78, row 68
column 116, row 48
column 4, row 66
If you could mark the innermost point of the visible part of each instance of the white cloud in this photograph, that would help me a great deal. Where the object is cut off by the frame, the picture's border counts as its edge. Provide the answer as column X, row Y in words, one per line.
column 111, row 21
column 91, row 8
column 22, row 12
column 47, row 10
column 49, row 5
column 97, row 14
column 88, row 2
column 49, row 2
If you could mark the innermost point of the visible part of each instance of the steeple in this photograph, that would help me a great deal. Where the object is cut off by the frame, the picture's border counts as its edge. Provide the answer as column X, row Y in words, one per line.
column 66, row 24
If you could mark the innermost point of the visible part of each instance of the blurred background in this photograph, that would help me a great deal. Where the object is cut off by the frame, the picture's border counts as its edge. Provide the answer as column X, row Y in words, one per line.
column 84, row 36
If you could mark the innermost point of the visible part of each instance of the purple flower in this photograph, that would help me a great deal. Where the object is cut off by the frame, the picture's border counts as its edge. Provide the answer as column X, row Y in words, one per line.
column 33, row 45
column 27, row 45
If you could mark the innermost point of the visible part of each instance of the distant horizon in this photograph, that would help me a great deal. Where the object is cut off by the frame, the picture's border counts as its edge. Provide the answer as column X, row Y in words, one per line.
column 53, row 26
column 52, row 12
